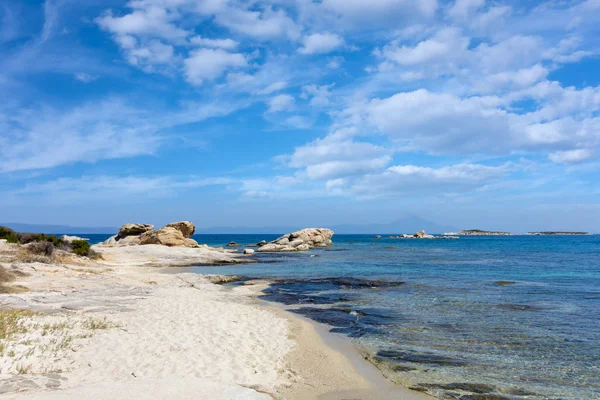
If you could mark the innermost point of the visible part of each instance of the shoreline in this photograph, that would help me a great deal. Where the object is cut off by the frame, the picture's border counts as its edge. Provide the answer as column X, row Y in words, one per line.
column 123, row 327
column 332, row 365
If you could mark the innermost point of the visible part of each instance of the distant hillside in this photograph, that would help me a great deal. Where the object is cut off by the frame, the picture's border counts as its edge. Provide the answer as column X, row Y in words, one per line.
column 55, row 229
column 403, row 225
column 410, row 224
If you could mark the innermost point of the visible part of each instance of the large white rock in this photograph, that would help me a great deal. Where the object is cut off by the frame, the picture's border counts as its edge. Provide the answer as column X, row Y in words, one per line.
column 302, row 240
column 134, row 229
column 174, row 234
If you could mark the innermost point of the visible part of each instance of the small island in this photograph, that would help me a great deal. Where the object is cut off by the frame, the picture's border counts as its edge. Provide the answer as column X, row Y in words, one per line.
column 558, row 233
column 477, row 232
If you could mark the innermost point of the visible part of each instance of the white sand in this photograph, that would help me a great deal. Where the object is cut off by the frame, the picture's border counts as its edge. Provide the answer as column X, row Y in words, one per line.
column 117, row 331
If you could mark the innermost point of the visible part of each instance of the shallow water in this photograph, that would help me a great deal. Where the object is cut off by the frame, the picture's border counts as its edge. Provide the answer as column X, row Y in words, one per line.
column 475, row 318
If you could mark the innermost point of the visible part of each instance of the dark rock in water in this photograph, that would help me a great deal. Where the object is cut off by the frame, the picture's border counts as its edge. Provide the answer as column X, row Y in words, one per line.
column 354, row 323
column 520, row 392
column 377, row 236
column 504, row 283
column 478, row 388
column 261, row 243
column 487, row 396
column 419, row 358
column 522, row 307
column 232, row 244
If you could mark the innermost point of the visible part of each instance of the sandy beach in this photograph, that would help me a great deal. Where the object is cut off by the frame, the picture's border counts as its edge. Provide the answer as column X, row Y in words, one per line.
column 122, row 328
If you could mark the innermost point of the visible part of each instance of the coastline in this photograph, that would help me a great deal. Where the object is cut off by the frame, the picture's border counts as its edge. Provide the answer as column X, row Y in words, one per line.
column 122, row 327
column 329, row 366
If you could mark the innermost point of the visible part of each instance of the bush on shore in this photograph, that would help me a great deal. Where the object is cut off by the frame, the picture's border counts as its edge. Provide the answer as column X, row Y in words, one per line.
column 8, row 234
column 42, row 244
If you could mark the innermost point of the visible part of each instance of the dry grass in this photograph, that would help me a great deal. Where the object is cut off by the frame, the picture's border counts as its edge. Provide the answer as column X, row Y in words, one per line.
column 11, row 323
column 7, row 277
column 98, row 323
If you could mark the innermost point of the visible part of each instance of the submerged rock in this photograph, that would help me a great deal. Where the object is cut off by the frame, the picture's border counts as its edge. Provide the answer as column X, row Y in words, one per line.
column 302, row 240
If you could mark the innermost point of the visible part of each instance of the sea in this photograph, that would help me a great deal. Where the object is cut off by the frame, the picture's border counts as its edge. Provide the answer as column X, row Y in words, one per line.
column 474, row 318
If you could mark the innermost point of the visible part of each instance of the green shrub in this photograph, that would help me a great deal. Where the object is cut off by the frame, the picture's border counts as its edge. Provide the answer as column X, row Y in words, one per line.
column 8, row 234
column 80, row 247
column 25, row 238
column 41, row 248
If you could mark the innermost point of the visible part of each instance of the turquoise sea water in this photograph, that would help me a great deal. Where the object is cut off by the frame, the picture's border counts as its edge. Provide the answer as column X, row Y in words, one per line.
column 513, row 317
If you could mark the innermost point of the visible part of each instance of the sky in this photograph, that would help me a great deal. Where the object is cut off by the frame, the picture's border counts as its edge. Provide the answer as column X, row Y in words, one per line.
column 471, row 113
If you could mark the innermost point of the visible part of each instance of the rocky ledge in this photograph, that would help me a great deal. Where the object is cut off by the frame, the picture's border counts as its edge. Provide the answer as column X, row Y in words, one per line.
column 303, row 240
column 173, row 234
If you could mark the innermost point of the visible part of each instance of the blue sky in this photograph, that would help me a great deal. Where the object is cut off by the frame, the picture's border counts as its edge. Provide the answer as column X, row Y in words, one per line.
column 472, row 113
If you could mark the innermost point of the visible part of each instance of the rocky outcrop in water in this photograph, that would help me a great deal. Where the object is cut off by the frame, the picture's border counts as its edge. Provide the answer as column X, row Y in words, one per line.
column 477, row 232
column 173, row 234
column 303, row 240
column 134, row 230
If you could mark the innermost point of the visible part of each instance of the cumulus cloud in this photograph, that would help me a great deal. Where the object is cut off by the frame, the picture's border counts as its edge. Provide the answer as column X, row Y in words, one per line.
column 335, row 157
column 209, row 64
column 282, row 102
column 425, row 180
column 321, row 43
column 227, row 44
column 571, row 156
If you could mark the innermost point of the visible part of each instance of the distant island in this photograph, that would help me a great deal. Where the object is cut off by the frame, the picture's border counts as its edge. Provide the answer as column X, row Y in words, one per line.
column 558, row 233
column 477, row 232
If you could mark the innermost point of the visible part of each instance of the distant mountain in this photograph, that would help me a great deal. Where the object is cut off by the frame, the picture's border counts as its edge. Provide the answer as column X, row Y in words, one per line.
column 55, row 229
column 410, row 224
column 404, row 225
column 247, row 231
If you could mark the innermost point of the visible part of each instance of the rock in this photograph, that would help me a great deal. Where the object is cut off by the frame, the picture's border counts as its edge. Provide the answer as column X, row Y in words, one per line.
column 186, row 227
column 248, row 252
column 67, row 238
column 261, row 243
column 232, row 244
column 3, row 241
column 423, row 235
column 377, row 236
column 167, row 236
column 116, row 241
column 134, row 229
column 302, row 240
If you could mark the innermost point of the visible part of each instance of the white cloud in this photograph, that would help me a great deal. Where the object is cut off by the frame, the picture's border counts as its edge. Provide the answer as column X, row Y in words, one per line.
column 354, row 14
column 321, row 43
column 334, row 157
column 411, row 179
column 209, row 64
column 262, row 25
column 282, row 102
column 85, row 77
column 273, row 87
column 151, row 21
column 465, row 8
column 571, row 156
column 446, row 44
column 319, row 94
column 227, row 44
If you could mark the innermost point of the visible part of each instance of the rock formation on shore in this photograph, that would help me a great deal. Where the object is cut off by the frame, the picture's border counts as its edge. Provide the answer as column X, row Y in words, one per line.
column 173, row 234
column 303, row 240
